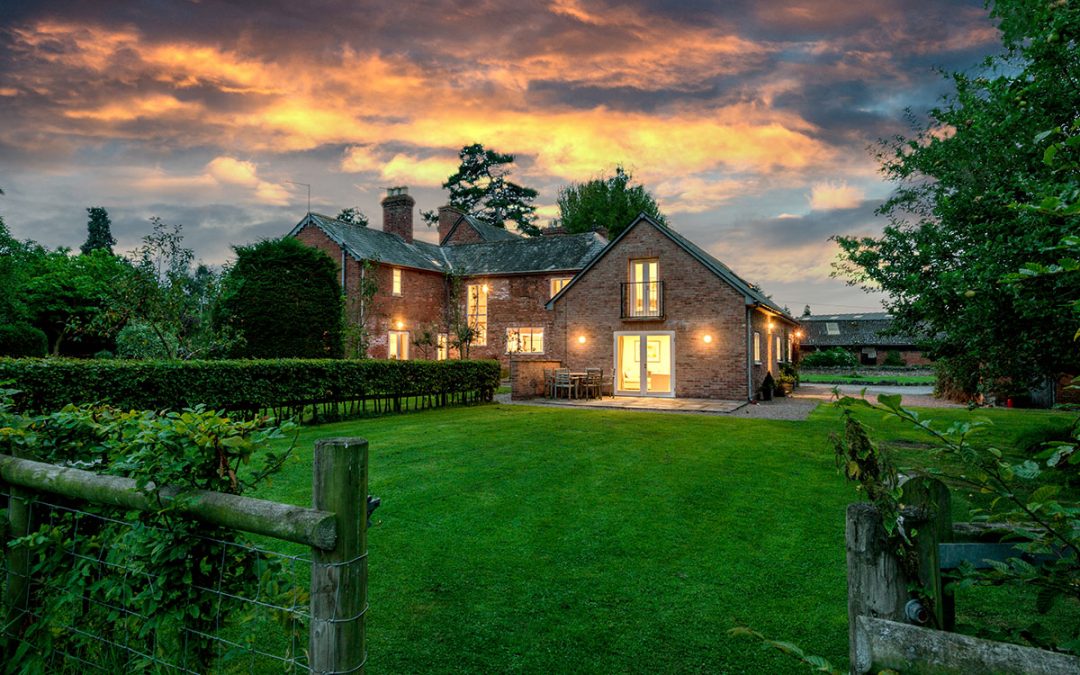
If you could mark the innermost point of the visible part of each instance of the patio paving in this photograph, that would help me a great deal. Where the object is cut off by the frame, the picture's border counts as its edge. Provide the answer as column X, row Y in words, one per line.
column 700, row 405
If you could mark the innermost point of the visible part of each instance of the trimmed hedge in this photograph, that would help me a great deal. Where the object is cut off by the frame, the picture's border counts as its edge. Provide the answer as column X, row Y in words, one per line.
column 307, row 389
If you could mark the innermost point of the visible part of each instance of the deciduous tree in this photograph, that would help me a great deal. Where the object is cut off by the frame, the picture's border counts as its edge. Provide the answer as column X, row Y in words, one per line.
column 608, row 202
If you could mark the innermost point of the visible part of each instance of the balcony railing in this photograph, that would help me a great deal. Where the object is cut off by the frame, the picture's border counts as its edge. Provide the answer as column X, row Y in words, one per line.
column 643, row 300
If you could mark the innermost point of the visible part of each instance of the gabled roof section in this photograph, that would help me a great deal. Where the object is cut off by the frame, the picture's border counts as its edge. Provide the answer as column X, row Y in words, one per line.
column 365, row 243
column 488, row 233
column 526, row 254
column 752, row 294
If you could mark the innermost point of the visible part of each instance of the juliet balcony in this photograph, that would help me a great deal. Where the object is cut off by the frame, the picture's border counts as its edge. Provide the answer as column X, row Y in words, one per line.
column 642, row 300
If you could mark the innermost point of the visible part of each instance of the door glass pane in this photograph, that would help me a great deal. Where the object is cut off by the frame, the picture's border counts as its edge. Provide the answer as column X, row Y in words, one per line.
column 629, row 363
column 658, row 364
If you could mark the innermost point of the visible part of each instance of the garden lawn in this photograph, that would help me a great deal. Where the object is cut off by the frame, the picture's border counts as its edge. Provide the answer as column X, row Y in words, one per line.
column 535, row 539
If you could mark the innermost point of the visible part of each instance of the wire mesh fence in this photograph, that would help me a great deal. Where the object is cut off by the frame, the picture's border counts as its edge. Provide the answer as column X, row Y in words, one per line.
column 247, row 612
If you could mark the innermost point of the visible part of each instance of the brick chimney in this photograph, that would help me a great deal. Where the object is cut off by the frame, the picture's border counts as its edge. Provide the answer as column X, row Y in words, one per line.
column 397, row 216
column 448, row 215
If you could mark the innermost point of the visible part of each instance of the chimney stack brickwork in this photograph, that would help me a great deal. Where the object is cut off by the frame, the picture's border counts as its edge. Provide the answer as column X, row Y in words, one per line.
column 398, row 213
column 448, row 215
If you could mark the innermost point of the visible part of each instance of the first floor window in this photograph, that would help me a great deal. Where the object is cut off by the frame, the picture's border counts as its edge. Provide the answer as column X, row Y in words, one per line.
column 524, row 340
column 476, row 310
column 399, row 345
column 779, row 354
column 442, row 347
column 397, row 281
column 557, row 285
column 790, row 347
column 757, row 347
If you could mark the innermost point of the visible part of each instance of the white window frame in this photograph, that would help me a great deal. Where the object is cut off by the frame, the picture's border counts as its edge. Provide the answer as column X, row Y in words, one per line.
column 395, row 338
column 757, row 347
column 478, row 320
column 558, row 284
column 779, row 352
column 396, row 281
column 518, row 337
column 646, row 289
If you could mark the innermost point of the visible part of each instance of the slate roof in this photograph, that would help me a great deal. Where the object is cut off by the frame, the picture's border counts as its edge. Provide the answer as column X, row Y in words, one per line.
column 752, row 294
column 533, row 254
column 867, row 329
column 507, row 253
column 487, row 232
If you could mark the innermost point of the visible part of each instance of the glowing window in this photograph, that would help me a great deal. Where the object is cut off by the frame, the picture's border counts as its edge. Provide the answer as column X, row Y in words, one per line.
column 557, row 285
column 524, row 340
column 442, row 347
column 476, row 310
column 397, row 281
column 398, row 345
column 757, row 347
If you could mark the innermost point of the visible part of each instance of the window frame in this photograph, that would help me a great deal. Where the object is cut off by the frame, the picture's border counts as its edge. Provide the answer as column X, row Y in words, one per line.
column 396, row 282
column 532, row 331
column 561, row 281
column 649, row 291
column 391, row 344
column 477, row 322
column 832, row 327
column 442, row 347
column 757, row 347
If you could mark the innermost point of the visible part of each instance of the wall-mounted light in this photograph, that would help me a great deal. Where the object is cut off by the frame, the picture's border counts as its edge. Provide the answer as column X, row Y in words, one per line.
column 581, row 339
column 707, row 339
column 400, row 325
column 798, row 334
column 770, row 326
column 484, row 288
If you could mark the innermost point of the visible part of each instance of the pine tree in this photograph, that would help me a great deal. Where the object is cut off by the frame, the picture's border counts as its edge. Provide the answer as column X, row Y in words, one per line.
column 98, row 231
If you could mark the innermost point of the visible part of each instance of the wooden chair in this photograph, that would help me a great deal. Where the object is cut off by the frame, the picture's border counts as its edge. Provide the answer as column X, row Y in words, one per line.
column 549, row 383
column 591, row 385
column 563, row 381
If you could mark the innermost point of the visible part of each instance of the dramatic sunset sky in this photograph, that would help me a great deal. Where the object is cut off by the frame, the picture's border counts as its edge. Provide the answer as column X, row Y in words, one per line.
column 750, row 121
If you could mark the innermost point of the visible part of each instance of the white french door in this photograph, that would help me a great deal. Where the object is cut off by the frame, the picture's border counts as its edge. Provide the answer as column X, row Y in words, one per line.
column 645, row 363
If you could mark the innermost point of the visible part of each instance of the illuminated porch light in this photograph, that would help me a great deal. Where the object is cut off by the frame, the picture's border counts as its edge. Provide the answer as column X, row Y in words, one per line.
column 707, row 339
column 581, row 339
column 484, row 288
column 400, row 325
column 770, row 326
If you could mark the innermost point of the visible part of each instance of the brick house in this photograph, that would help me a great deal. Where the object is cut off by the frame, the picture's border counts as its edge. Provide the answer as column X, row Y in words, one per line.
column 870, row 335
column 653, row 309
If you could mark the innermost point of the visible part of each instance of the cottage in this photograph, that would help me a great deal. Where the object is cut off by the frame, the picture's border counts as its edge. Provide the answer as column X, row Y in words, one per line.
column 651, row 308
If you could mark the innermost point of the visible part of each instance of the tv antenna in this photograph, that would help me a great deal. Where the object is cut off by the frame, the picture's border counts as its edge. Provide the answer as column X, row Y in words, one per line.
column 308, row 186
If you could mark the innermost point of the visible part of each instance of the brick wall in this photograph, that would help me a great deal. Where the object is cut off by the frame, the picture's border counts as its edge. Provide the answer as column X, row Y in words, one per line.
column 421, row 303
column 464, row 234
column 515, row 302
column 697, row 303
column 527, row 378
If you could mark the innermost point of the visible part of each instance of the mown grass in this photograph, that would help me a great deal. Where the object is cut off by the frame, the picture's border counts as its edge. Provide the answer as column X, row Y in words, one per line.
column 901, row 380
column 530, row 539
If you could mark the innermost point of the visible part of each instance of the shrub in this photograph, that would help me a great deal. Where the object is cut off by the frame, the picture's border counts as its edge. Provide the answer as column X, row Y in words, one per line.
column 285, row 299
column 836, row 357
column 22, row 339
column 283, row 388
column 138, row 340
column 893, row 358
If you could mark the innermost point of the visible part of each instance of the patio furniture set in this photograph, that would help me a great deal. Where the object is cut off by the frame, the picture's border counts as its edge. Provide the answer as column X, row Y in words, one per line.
column 590, row 383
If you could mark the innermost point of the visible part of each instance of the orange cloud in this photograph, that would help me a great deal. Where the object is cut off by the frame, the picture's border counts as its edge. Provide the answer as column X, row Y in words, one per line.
column 839, row 195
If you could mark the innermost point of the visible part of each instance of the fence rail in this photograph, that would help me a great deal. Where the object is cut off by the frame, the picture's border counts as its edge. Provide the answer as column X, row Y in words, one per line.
column 335, row 530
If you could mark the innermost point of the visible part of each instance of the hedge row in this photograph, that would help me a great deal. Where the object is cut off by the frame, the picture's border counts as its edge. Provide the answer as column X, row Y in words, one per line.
column 301, row 388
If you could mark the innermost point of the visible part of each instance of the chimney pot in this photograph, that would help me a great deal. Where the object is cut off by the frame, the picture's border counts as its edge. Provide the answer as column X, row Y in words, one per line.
column 398, row 212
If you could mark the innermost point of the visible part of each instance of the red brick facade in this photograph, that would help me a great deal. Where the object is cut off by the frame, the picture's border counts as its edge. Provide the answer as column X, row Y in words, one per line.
column 710, row 320
column 697, row 304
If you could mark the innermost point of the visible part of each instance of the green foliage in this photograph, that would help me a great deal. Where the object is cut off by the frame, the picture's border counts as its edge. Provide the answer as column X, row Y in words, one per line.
column 893, row 358
column 284, row 298
column 283, row 387
column 480, row 188
column 17, row 260
column 1028, row 501
column 357, row 332
column 987, row 185
column 21, row 339
column 137, row 579
column 166, row 301
column 817, row 664
column 67, row 296
column 98, row 231
column 353, row 216
column 609, row 202
column 138, row 340
column 837, row 357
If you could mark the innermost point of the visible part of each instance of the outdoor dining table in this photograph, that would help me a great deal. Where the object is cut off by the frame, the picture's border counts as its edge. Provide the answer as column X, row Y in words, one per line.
column 576, row 379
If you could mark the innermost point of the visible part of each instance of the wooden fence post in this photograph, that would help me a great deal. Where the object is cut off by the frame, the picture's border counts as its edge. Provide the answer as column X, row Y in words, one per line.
column 339, row 576
column 928, row 509
column 17, row 593
column 876, row 584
